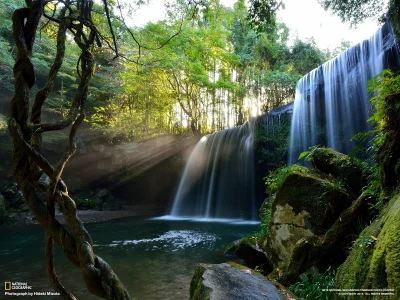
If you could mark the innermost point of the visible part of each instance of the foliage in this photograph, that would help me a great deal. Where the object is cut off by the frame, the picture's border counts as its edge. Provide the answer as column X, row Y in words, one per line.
column 307, row 155
column 276, row 178
column 314, row 285
column 262, row 13
column 272, row 141
column 265, row 214
column 382, row 85
column 355, row 11
column 214, row 74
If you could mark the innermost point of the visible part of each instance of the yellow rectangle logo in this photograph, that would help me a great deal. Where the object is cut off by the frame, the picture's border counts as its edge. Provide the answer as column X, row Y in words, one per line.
column 7, row 285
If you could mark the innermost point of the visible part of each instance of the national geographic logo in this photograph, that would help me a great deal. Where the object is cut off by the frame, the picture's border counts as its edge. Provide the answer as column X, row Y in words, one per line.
column 8, row 286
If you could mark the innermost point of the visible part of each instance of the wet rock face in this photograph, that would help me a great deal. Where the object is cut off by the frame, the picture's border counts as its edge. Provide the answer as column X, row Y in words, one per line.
column 234, row 282
column 306, row 204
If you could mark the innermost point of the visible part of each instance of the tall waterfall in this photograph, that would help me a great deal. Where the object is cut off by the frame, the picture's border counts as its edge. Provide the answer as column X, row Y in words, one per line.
column 332, row 102
column 218, row 180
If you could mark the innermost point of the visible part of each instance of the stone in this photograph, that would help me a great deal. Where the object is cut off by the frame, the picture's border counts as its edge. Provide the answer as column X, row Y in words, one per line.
column 343, row 167
column 252, row 254
column 231, row 248
column 231, row 281
column 306, row 205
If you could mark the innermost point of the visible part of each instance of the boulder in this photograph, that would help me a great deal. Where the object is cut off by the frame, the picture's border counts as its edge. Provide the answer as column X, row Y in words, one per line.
column 252, row 254
column 306, row 205
column 231, row 281
column 344, row 168
column 374, row 261
column 231, row 248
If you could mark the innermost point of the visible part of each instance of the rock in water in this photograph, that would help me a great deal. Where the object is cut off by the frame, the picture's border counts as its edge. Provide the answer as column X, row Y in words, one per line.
column 226, row 281
column 252, row 254
column 306, row 205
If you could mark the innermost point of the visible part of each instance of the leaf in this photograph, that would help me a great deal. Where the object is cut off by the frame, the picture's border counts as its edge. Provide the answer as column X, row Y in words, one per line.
column 304, row 155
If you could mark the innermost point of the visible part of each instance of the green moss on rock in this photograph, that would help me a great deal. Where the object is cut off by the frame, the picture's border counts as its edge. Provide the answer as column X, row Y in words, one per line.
column 197, row 289
column 343, row 167
column 374, row 262
column 306, row 190
column 306, row 204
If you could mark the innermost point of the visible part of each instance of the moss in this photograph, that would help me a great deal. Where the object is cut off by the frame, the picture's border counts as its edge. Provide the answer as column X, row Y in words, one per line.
column 344, row 168
column 197, row 289
column 231, row 248
column 314, row 192
column 374, row 262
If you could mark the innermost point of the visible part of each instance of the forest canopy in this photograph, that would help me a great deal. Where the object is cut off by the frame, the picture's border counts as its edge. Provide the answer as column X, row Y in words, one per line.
column 198, row 70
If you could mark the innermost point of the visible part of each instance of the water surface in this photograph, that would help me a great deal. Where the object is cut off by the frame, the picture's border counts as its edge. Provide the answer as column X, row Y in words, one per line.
column 155, row 258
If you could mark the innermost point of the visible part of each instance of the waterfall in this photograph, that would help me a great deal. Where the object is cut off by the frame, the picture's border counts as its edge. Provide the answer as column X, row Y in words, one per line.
column 218, row 180
column 332, row 102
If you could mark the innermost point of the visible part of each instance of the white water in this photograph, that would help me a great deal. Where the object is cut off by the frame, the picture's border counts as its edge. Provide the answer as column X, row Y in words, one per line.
column 218, row 181
column 332, row 102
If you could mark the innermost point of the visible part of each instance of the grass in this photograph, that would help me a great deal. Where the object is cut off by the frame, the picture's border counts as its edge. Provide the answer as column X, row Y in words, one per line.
column 314, row 285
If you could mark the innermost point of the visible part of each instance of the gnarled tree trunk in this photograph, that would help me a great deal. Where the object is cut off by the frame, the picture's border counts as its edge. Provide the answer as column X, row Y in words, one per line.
column 29, row 164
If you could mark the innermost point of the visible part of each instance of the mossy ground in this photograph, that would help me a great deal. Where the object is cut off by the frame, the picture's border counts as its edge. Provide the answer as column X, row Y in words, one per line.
column 374, row 262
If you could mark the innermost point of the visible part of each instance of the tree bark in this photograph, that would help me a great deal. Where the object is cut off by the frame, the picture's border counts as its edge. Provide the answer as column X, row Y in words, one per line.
column 28, row 164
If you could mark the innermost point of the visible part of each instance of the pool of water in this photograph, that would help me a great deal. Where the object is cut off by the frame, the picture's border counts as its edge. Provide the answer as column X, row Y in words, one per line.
column 154, row 258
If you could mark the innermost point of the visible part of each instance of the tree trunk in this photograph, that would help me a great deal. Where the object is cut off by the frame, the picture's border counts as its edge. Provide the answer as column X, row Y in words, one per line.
column 28, row 163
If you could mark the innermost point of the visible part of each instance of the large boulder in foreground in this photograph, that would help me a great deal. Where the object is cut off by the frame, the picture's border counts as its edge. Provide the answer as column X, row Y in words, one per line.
column 374, row 262
column 231, row 281
column 343, row 167
column 306, row 205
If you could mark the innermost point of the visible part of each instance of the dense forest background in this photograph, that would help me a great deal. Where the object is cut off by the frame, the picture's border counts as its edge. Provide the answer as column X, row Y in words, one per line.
column 197, row 71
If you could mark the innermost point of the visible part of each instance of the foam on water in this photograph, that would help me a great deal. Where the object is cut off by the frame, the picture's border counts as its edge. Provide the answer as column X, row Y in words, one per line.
column 173, row 240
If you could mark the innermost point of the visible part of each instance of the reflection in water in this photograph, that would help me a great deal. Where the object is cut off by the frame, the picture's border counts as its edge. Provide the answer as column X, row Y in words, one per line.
column 154, row 258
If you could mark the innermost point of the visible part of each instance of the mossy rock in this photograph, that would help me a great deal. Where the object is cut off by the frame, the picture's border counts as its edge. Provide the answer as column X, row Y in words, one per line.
column 306, row 204
column 231, row 248
column 374, row 262
column 343, row 167
column 253, row 255
column 198, row 291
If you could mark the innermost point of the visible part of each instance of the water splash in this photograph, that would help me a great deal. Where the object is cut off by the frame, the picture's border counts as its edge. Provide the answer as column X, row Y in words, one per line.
column 172, row 240
column 332, row 102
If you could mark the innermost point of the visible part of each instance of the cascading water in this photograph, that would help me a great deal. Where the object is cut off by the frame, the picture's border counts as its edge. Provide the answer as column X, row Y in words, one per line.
column 332, row 102
column 218, row 180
